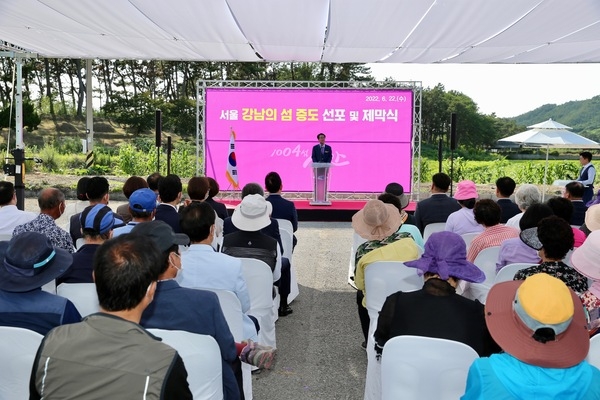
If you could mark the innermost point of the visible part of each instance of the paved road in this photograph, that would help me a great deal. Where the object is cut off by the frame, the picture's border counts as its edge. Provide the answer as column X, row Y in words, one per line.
column 320, row 357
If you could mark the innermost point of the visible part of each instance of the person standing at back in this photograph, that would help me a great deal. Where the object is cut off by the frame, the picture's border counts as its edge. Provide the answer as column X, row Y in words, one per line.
column 438, row 206
column 587, row 175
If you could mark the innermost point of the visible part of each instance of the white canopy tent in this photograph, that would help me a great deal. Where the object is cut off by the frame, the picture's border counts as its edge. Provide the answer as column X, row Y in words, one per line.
column 550, row 134
column 338, row 31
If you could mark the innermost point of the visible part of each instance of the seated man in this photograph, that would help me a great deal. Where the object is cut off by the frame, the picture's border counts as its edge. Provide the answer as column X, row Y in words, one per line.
column 574, row 193
column 132, row 184
column 27, row 262
column 97, row 224
column 540, row 326
column 438, row 206
column 142, row 206
column 169, row 190
column 10, row 215
column 505, row 187
column 97, row 192
column 109, row 355
column 282, row 208
column 193, row 310
column 488, row 213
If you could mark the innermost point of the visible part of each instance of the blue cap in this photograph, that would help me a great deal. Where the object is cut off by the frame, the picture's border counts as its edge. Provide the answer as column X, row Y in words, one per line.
column 142, row 200
column 99, row 218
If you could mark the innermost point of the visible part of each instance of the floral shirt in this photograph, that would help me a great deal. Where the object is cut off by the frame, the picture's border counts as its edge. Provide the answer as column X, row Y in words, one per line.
column 45, row 225
column 557, row 269
column 592, row 305
column 369, row 245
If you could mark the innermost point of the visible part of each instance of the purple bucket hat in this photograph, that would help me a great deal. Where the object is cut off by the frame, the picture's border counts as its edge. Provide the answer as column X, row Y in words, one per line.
column 446, row 255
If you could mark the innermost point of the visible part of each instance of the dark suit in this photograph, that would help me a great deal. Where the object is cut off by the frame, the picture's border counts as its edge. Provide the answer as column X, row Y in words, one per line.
column 75, row 227
column 168, row 214
column 579, row 209
column 509, row 209
column 82, row 266
column 219, row 208
column 434, row 209
column 321, row 157
column 284, row 209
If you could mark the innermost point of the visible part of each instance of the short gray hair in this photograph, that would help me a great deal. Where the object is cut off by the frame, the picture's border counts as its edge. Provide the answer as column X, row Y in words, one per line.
column 252, row 188
column 527, row 195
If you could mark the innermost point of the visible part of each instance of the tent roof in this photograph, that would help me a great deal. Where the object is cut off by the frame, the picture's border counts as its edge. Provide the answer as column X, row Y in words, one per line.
column 551, row 137
column 391, row 31
column 550, row 124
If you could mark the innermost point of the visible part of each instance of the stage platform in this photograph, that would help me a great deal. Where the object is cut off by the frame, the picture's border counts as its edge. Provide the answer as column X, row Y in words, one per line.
column 339, row 210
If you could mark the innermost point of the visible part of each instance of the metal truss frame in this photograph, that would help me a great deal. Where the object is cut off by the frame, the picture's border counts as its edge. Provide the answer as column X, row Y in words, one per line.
column 415, row 86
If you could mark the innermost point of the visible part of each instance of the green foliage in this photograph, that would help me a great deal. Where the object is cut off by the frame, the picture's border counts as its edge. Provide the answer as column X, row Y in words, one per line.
column 137, row 113
column 133, row 161
column 31, row 119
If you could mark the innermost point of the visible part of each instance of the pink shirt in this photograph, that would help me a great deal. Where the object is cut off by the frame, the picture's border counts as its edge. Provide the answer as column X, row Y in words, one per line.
column 492, row 236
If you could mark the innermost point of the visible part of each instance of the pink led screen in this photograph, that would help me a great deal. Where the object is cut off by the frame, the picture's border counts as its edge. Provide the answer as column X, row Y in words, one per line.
column 369, row 131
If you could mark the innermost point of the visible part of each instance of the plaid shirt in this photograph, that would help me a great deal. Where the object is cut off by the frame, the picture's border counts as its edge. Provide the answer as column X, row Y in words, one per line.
column 45, row 225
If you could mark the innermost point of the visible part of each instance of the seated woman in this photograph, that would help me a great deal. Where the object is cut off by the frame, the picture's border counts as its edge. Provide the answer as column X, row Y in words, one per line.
column 540, row 325
column 553, row 238
column 463, row 220
column 436, row 310
column 585, row 261
column 515, row 250
column 563, row 208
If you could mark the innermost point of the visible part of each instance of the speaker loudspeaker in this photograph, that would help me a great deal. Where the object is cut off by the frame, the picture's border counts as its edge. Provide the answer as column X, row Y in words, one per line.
column 158, row 128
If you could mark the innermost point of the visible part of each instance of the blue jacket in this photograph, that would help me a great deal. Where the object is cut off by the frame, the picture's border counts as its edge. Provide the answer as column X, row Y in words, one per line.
column 503, row 377
column 165, row 212
column 196, row 311
column 82, row 266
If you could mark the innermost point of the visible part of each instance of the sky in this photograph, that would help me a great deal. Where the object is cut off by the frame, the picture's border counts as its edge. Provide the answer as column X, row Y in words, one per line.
column 505, row 89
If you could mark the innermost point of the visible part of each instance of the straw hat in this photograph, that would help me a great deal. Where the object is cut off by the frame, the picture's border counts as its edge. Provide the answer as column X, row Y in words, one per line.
column 377, row 220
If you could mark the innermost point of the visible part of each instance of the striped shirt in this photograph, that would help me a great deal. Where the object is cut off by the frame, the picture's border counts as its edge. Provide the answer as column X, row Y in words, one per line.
column 492, row 236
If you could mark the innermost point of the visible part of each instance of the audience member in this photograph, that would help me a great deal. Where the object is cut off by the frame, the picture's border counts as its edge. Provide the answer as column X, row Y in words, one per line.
column 205, row 268
column 192, row 310
column 553, row 238
column 463, row 220
column 397, row 190
column 437, row 310
column 587, row 175
column 505, row 187
column 515, row 250
column 169, row 190
column 29, row 261
column 132, row 184
column 563, row 208
column 142, row 206
column 585, row 261
column 487, row 213
column 97, row 189
column 10, row 215
column 540, row 325
column 574, row 193
column 592, row 219
column 152, row 181
column 378, row 223
column 525, row 196
column 220, row 208
column 198, row 189
column 282, row 208
column 52, row 206
column 439, row 206
column 388, row 198
column 82, row 200
column 109, row 355
column 97, row 223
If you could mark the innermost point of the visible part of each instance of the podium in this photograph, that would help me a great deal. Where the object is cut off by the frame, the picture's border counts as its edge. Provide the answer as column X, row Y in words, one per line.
column 321, row 184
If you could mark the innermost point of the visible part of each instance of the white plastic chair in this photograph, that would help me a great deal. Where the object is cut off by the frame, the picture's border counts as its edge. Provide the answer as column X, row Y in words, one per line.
column 5, row 237
column 79, row 242
column 357, row 240
column 18, row 347
column 285, row 224
column 217, row 242
column 507, row 273
column 486, row 261
column 50, row 287
column 82, row 295
column 382, row 279
column 593, row 356
column 288, row 244
column 431, row 228
column 202, row 358
column 259, row 280
column 468, row 238
column 409, row 362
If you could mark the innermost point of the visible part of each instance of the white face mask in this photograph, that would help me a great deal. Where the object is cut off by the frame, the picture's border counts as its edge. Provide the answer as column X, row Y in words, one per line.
column 179, row 269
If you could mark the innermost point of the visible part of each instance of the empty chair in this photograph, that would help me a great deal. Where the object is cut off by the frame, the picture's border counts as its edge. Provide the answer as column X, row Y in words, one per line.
column 202, row 359
column 435, row 227
column 259, row 280
column 82, row 295
column 409, row 363
column 507, row 273
column 594, row 353
column 18, row 347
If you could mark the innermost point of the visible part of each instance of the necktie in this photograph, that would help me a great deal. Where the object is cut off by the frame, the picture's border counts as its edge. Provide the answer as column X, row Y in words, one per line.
column 322, row 150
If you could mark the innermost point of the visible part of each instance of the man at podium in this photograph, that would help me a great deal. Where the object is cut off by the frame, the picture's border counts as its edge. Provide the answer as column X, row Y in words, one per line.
column 321, row 157
column 321, row 153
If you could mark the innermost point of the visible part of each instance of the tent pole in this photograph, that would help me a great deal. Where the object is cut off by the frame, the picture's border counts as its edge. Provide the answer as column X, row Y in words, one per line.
column 545, row 173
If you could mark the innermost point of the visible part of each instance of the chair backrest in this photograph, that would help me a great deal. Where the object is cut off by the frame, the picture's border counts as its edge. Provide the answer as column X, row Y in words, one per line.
column 409, row 362
column 507, row 273
column 232, row 310
column 50, row 287
column 259, row 280
column 4, row 237
column 486, row 261
column 18, row 347
column 383, row 278
column 82, row 295
column 593, row 356
column 287, row 240
column 285, row 224
column 202, row 358
column 468, row 238
column 431, row 228
column 79, row 242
